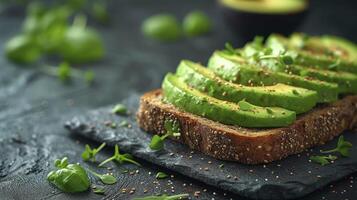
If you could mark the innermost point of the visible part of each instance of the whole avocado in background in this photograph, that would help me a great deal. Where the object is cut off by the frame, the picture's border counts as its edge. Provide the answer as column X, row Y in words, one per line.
column 196, row 23
column 163, row 27
column 263, row 17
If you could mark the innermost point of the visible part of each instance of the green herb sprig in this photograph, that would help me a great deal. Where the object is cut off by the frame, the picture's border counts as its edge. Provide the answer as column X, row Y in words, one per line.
column 161, row 175
column 229, row 49
column 172, row 129
column 164, row 197
column 120, row 158
column 323, row 160
column 89, row 154
column 120, row 109
column 343, row 147
column 105, row 178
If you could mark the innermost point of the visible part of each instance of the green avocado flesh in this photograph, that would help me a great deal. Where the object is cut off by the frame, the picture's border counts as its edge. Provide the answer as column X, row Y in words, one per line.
column 292, row 98
column 266, row 6
column 316, row 53
column 233, row 68
column 178, row 93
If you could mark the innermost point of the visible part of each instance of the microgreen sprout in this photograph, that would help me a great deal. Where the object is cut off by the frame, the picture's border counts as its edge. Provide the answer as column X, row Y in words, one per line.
column 161, row 175
column 323, row 160
column 99, row 190
column 120, row 158
column 229, row 49
column 105, row 178
column 172, row 129
column 343, row 147
column 165, row 197
column 89, row 154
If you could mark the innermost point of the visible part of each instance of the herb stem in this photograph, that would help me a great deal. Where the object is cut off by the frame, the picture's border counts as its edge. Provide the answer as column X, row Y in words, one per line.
column 131, row 161
column 107, row 160
column 177, row 196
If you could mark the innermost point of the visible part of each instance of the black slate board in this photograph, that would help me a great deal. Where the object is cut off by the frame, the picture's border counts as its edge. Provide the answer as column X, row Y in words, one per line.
column 290, row 178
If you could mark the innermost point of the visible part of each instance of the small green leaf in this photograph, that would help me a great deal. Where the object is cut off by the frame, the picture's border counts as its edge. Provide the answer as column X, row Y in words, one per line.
column 287, row 60
column 156, row 143
column 89, row 153
column 229, row 49
column 245, row 106
column 161, row 175
column 108, row 179
column 124, row 124
column 196, row 23
column 99, row 190
column 119, row 109
column 163, row 27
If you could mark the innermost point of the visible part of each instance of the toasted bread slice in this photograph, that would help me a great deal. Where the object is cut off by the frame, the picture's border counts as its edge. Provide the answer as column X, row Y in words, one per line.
column 250, row 146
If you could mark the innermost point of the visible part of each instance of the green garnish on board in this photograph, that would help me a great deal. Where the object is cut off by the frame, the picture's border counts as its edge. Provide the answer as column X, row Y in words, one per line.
column 343, row 147
column 172, row 128
column 105, row 178
column 164, row 197
column 69, row 177
column 120, row 158
column 323, row 160
column 89, row 153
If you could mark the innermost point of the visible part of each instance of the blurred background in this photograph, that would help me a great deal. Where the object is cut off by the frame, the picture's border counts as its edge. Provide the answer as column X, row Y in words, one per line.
column 62, row 58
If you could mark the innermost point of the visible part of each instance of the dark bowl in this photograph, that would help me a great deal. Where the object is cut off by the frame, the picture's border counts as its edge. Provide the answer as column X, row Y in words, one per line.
column 247, row 25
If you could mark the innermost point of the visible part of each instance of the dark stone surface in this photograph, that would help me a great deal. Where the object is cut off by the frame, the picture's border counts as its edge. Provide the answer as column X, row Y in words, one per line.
column 34, row 106
column 289, row 178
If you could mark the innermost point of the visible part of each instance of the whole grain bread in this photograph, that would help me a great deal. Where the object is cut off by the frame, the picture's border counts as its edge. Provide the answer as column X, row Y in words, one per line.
column 247, row 145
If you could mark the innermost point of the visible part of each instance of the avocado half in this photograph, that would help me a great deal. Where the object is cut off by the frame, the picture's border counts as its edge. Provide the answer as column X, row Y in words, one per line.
column 249, row 18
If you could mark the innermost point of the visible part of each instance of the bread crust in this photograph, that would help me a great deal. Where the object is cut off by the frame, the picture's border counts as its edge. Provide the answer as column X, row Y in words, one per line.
column 249, row 146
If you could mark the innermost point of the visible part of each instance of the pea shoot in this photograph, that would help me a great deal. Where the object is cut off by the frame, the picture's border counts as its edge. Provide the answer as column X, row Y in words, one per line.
column 165, row 197
column 323, row 160
column 343, row 147
column 229, row 49
column 120, row 158
column 89, row 154
column 172, row 129
column 105, row 178
column 161, row 175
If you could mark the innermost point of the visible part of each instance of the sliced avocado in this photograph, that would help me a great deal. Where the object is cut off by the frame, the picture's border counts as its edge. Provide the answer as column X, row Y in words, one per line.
column 178, row 93
column 311, row 57
column 292, row 98
column 234, row 69
column 272, row 58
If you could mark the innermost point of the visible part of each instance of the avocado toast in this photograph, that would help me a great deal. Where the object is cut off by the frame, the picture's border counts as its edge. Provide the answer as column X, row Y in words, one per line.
column 242, row 110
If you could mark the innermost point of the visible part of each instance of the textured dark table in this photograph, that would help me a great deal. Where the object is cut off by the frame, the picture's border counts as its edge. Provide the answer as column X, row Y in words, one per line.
column 33, row 106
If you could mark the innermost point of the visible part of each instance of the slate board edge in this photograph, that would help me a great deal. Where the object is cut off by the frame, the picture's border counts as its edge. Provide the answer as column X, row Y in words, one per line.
column 76, row 127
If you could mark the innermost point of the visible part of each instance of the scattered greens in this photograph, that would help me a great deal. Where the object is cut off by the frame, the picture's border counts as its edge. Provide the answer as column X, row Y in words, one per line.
column 120, row 109
column 69, row 177
column 22, row 49
column 99, row 190
column 164, row 197
column 323, row 160
column 163, row 27
column 161, row 175
column 172, row 129
column 124, row 123
column 89, row 154
column 343, row 147
column 120, row 158
column 65, row 73
column 196, row 23
column 105, row 178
